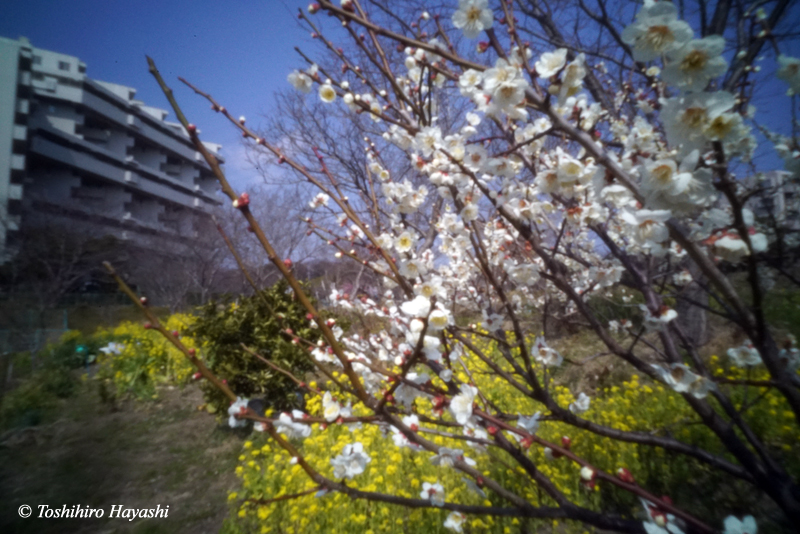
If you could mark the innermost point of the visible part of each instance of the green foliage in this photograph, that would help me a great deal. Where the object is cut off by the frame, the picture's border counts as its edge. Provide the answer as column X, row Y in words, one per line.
column 222, row 327
column 34, row 399
column 624, row 304
column 37, row 394
column 782, row 310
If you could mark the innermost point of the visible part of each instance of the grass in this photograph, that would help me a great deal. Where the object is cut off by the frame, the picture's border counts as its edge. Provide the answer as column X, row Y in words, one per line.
column 135, row 454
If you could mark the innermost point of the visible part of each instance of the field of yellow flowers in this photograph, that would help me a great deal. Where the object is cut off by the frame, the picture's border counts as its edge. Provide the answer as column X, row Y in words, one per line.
column 266, row 472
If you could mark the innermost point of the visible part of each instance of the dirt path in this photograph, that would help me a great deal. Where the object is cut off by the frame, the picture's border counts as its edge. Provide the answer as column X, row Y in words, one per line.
column 141, row 455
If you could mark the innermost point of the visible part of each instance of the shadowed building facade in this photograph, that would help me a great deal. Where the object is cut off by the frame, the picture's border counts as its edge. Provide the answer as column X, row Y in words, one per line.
column 85, row 155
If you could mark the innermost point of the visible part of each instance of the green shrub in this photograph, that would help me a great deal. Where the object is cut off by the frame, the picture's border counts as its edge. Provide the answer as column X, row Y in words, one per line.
column 223, row 326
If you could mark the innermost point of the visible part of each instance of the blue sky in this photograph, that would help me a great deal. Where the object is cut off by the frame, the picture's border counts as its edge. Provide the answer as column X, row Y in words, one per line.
column 240, row 51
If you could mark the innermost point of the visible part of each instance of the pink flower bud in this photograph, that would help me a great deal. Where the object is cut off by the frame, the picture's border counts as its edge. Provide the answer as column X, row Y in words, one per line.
column 242, row 201
column 192, row 129
column 313, row 8
column 624, row 475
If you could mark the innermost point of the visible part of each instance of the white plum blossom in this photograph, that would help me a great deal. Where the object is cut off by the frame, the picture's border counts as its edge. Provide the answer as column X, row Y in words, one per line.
column 656, row 31
column 239, row 407
column 468, row 82
column 461, row 404
column 428, row 139
column 654, row 322
column 433, row 492
column 473, row 17
column 581, row 404
column 544, row 354
column 731, row 248
column 551, row 62
column 691, row 120
column 447, row 457
column 303, row 81
column 649, row 228
column 745, row 355
column 682, row 380
column 746, row 525
column 492, row 321
column 113, row 349
column 572, row 78
column 455, row 521
column 400, row 439
column 789, row 72
column 405, row 241
column 320, row 200
column 331, row 408
column 351, row 462
column 696, row 63
column 439, row 319
column 529, row 424
column 419, row 307
column 290, row 428
column 327, row 93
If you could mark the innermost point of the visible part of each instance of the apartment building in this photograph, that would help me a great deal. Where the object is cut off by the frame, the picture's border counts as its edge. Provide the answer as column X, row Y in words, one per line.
column 83, row 154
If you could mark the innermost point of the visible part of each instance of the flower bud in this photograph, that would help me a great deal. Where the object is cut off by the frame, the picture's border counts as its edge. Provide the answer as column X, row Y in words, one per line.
column 192, row 129
column 242, row 201
column 313, row 8
column 143, row 300
column 192, row 352
column 197, row 376
column 587, row 473
column 625, row 475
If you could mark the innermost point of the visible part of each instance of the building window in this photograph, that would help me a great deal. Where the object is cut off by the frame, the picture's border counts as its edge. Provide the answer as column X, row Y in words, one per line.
column 37, row 60
column 63, row 65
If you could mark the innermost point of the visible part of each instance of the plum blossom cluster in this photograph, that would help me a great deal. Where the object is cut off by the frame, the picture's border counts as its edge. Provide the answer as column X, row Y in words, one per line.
column 539, row 198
